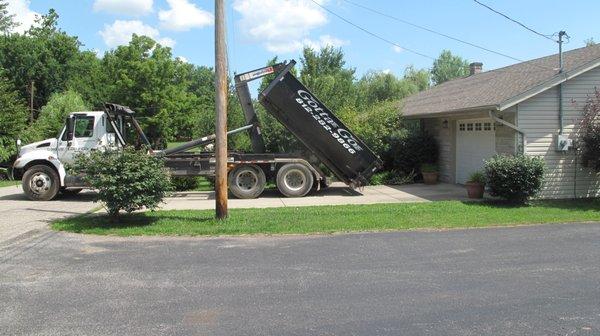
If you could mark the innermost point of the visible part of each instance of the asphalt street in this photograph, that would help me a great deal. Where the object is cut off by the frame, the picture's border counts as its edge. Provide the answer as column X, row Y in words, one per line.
column 535, row 280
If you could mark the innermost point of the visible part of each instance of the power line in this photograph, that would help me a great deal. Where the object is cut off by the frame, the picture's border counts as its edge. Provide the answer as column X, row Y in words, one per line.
column 517, row 22
column 371, row 33
column 432, row 31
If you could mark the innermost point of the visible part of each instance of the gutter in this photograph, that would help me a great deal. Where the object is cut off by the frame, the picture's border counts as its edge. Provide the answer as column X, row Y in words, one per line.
column 494, row 117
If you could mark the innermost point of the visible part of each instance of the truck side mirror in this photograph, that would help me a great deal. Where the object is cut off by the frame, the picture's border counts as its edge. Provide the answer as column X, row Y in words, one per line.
column 70, row 128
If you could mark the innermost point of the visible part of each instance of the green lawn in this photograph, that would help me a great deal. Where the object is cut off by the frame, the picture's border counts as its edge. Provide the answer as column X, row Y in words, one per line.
column 5, row 183
column 328, row 219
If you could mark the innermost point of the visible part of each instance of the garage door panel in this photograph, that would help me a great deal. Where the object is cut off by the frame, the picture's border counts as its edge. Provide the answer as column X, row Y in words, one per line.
column 475, row 142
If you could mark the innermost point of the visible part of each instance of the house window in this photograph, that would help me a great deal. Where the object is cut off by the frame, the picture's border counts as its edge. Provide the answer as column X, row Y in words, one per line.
column 478, row 126
column 461, row 127
column 469, row 127
column 487, row 126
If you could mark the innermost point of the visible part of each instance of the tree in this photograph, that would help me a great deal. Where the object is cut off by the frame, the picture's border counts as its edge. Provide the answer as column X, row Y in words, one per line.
column 375, row 87
column 326, row 75
column 447, row 67
column 52, row 116
column 589, row 42
column 43, row 55
column 420, row 78
column 7, row 22
column 13, row 118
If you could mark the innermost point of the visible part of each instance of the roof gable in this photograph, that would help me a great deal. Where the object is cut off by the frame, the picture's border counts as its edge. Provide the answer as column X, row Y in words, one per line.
column 504, row 87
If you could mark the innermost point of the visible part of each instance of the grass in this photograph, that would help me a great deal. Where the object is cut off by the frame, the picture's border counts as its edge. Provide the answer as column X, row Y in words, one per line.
column 329, row 219
column 9, row 183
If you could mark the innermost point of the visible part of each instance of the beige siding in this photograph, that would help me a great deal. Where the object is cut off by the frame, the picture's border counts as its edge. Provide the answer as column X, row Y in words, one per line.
column 445, row 140
column 538, row 117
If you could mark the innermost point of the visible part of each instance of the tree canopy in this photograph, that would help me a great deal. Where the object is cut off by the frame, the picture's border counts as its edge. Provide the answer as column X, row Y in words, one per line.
column 448, row 66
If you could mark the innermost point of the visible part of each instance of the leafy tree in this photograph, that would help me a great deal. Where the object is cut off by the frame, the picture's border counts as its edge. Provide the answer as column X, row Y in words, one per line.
column 447, row 67
column 13, row 118
column 376, row 87
column 325, row 74
column 420, row 78
column 589, row 42
column 52, row 116
column 7, row 22
column 43, row 55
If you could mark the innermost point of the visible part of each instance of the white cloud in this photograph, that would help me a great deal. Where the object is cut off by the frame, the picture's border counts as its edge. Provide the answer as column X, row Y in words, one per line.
column 120, row 32
column 324, row 41
column 282, row 26
column 396, row 49
column 124, row 7
column 386, row 71
column 24, row 16
column 183, row 16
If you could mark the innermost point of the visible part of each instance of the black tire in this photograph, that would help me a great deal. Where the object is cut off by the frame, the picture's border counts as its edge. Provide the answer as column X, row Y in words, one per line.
column 294, row 180
column 41, row 183
column 247, row 181
column 70, row 192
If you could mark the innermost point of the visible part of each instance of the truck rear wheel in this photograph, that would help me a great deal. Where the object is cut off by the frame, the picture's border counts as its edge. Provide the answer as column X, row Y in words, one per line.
column 294, row 180
column 41, row 183
column 247, row 181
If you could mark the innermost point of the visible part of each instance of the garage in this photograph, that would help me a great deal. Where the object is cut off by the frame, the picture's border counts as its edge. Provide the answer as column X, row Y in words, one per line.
column 475, row 142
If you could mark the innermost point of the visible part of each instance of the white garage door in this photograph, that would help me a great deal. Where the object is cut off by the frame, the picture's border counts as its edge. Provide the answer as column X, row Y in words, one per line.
column 475, row 142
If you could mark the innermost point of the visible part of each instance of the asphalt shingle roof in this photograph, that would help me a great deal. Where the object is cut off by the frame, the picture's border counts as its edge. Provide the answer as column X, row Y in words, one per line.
column 492, row 88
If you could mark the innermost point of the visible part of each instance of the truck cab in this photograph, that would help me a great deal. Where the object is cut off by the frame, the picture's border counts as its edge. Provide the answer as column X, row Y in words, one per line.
column 42, row 165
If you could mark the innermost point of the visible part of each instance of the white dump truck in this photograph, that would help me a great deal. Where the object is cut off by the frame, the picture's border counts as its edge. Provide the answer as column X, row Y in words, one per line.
column 42, row 165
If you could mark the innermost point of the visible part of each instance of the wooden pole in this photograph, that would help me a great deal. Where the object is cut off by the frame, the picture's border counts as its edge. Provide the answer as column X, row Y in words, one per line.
column 221, row 109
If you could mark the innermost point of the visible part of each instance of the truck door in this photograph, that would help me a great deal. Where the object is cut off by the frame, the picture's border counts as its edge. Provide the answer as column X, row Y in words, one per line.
column 84, row 139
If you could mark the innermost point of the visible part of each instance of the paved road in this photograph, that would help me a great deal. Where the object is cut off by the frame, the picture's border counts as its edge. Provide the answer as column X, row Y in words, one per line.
column 538, row 280
column 18, row 215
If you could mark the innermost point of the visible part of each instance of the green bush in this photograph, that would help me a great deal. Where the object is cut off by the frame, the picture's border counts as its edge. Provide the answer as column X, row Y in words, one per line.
column 514, row 178
column 126, row 180
column 409, row 150
column 590, row 138
column 184, row 183
column 477, row 177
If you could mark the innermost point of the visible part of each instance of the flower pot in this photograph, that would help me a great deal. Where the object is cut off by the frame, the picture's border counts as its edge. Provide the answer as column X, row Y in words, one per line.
column 430, row 178
column 475, row 189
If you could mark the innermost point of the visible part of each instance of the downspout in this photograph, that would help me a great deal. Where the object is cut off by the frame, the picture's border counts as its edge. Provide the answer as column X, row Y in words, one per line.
column 560, row 86
column 494, row 117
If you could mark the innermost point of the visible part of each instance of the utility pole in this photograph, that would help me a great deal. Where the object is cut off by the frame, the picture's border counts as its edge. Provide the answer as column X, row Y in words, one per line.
column 561, row 34
column 31, row 95
column 221, row 109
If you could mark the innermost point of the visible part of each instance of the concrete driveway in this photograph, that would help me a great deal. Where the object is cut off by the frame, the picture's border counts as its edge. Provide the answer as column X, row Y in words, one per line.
column 19, row 215
column 537, row 280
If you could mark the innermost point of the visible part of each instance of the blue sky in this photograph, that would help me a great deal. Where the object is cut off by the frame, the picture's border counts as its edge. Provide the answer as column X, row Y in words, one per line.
column 261, row 29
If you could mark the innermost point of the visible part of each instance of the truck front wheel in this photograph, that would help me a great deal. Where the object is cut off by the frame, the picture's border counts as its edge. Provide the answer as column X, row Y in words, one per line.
column 294, row 180
column 41, row 183
column 247, row 181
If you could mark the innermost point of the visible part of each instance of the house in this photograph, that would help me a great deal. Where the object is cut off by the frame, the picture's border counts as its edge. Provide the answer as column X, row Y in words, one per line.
column 530, row 108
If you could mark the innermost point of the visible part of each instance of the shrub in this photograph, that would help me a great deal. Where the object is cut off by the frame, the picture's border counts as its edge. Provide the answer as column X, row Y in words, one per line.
column 409, row 150
column 477, row 177
column 590, row 127
column 184, row 183
column 514, row 178
column 126, row 180
column 429, row 168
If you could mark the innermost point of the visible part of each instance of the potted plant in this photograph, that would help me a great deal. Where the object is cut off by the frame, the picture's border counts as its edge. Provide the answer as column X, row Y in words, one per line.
column 430, row 173
column 476, row 185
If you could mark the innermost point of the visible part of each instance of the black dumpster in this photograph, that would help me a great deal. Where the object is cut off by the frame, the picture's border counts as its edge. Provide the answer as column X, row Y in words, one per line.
column 305, row 116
